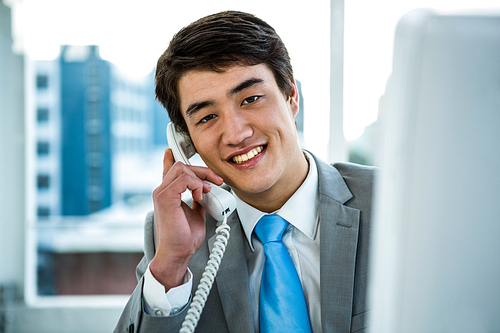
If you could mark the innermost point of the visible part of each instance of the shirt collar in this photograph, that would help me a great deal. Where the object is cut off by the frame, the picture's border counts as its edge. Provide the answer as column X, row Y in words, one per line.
column 301, row 210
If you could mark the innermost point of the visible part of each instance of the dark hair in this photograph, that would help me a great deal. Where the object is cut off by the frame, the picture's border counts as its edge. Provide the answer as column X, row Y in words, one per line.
column 217, row 42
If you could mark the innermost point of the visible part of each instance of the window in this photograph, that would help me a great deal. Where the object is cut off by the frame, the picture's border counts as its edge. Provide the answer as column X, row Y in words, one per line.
column 42, row 115
column 94, row 143
column 43, row 182
column 95, row 205
column 42, row 81
column 43, row 211
column 95, row 176
column 42, row 148
column 94, row 111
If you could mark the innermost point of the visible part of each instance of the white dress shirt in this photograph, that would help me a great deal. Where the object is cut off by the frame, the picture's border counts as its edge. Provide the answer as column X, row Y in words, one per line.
column 301, row 239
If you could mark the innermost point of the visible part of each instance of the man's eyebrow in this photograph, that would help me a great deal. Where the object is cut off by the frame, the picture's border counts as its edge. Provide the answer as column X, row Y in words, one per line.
column 195, row 107
column 245, row 84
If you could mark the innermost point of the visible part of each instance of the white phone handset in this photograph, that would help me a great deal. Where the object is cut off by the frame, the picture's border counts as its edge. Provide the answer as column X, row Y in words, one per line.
column 218, row 202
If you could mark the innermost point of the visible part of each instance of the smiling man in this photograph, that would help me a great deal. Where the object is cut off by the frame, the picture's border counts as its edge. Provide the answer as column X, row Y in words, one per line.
column 244, row 129
column 227, row 83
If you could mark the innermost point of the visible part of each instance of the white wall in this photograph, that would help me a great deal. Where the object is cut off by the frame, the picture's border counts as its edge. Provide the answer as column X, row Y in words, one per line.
column 12, row 146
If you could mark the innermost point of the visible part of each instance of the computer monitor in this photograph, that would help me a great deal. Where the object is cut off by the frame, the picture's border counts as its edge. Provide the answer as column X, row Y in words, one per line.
column 436, row 231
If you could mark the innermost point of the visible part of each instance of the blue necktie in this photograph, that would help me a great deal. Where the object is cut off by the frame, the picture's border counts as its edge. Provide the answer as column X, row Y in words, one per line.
column 282, row 306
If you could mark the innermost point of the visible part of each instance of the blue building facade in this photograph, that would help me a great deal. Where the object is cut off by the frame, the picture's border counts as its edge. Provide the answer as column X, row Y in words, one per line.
column 96, row 126
column 86, row 150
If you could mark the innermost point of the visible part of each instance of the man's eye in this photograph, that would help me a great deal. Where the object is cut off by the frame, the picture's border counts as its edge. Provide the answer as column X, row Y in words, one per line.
column 207, row 118
column 250, row 100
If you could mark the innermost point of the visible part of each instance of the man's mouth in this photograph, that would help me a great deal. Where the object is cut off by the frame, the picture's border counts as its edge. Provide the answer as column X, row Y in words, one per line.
column 239, row 159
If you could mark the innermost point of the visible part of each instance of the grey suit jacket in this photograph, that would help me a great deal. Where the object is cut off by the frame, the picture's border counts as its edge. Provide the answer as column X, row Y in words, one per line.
column 345, row 193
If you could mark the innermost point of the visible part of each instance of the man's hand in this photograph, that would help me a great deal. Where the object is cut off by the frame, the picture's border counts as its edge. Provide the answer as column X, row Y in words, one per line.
column 180, row 229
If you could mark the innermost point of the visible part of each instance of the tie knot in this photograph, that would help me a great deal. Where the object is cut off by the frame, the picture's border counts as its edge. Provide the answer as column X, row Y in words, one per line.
column 270, row 228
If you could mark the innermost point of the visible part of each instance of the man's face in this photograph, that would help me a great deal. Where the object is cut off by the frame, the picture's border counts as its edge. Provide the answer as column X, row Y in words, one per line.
column 242, row 126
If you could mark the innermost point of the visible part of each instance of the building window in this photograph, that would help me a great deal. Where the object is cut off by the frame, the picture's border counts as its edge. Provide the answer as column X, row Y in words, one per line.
column 42, row 148
column 94, row 143
column 94, row 110
column 93, row 94
column 43, row 211
column 95, row 176
column 95, row 205
column 43, row 181
column 42, row 115
column 42, row 81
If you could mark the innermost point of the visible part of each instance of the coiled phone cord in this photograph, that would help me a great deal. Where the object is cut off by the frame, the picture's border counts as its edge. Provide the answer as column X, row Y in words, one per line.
column 207, row 279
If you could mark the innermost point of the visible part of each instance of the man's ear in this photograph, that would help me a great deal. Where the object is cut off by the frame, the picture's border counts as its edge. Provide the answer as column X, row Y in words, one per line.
column 294, row 99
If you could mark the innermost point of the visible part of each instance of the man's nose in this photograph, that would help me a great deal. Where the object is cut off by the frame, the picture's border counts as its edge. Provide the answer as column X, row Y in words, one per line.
column 235, row 128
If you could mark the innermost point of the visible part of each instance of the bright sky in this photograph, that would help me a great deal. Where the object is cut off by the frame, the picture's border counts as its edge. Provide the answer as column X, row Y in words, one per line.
column 133, row 34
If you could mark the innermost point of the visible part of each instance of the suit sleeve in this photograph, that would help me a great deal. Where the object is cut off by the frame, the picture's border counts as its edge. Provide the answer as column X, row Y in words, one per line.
column 134, row 318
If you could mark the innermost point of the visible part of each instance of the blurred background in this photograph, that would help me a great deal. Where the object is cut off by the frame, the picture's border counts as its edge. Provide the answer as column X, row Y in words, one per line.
column 82, row 137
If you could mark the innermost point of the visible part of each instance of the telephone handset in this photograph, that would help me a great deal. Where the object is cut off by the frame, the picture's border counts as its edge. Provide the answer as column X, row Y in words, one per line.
column 219, row 203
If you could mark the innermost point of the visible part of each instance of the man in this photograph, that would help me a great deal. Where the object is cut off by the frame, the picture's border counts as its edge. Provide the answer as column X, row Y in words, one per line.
column 227, row 82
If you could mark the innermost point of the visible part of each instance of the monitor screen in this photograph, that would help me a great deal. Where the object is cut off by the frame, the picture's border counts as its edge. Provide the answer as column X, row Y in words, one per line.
column 436, row 233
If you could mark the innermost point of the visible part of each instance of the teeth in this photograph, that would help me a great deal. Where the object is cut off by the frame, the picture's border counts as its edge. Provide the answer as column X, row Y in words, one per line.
column 245, row 157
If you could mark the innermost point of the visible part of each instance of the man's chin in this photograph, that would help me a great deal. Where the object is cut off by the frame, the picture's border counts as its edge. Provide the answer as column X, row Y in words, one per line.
column 249, row 190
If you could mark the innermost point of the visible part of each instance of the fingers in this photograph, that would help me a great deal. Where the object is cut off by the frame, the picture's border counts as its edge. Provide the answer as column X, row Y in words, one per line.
column 203, row 173
column 186, row 181
column 192, row 176
column 178, row 177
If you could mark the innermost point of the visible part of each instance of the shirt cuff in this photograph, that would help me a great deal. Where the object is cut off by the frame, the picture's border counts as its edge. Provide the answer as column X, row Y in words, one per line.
column 160, row 304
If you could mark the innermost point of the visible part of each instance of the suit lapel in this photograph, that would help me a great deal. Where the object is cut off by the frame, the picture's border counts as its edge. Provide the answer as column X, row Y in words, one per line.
column 339, row 227
column 232, row 280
